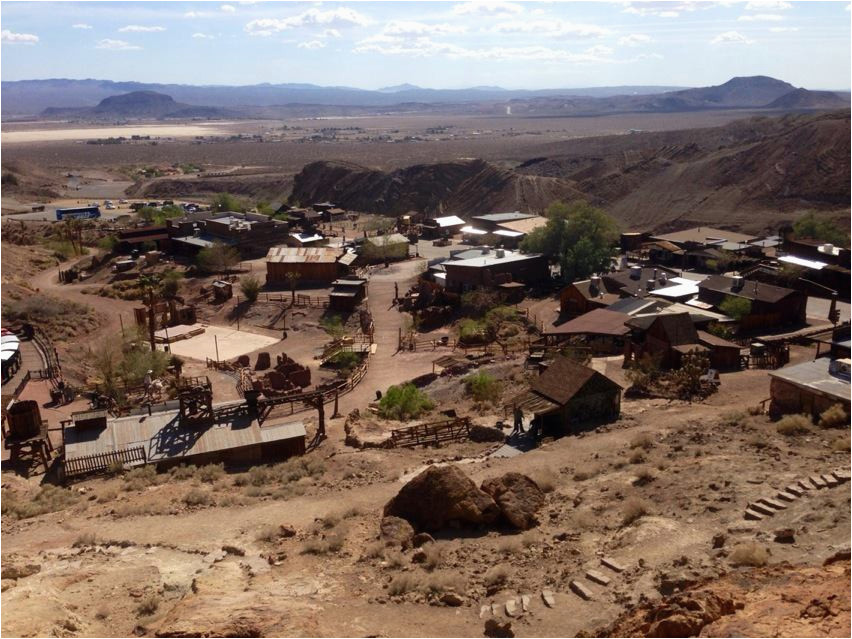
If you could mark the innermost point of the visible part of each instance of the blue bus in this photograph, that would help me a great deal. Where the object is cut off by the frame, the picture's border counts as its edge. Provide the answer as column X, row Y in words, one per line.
column 79, row 213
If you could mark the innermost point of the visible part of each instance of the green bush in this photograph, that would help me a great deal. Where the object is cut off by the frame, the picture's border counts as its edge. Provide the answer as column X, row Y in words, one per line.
column 404, row 402
column 735, row 307
column 483, row 387
column 333, row 325
column 108, row 243
column 345, row 361
column 471, row 330
column 250, row 286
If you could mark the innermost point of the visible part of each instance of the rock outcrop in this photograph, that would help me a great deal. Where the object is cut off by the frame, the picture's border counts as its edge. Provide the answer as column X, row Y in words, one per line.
column 395, row 531
column 441, row 495
column 518, row 497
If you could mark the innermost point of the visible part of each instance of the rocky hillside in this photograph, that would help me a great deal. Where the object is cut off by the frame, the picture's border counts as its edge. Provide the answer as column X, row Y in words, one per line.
column 805, row 99
column 138, row 104
column 747, row 174
column 473, row 186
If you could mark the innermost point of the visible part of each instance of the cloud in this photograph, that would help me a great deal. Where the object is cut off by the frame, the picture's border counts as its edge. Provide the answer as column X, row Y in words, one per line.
column 425, row 47
column 768, row 5
column 228, row 8
column 782, row 29
column 635, row 40
column 731, row 37
column 761, row 17
column 340, row 17
column 664, row 9
column 10, row 37
column 81, row 25
column 552, row 28
column 313, row 44
column 116, row 45
column 136, row 28
column 412, row 28
column 191, row 14
column 203, row 36
column 330, row 33
column 488, row 8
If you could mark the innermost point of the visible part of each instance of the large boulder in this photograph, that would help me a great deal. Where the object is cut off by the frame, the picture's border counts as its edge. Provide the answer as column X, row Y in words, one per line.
column 518, row 497
column 395, row 531
column 440, row 495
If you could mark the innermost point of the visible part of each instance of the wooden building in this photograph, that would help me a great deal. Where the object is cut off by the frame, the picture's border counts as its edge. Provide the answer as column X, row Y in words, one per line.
column 810, row 388
column 578, row 298
column 494, row 267
column 347, row 294
column 568, row 396
column 771, row 306
column 310, row 264
column 601, row 330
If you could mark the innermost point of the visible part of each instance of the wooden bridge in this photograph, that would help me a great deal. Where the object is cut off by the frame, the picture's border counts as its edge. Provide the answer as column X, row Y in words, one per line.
column 102, row 462
column 447, row 430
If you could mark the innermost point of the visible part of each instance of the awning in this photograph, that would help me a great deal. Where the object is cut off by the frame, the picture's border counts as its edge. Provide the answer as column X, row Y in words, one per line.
column 532, row 402
column 472, row 231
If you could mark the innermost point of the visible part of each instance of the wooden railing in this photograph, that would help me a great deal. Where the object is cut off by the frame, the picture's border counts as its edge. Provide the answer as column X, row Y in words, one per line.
column 432, row 433
column 102, row 462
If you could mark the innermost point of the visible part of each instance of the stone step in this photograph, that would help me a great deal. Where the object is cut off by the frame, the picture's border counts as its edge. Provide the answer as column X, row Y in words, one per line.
column 762, row 509
column 581, row 590
column 512, row 608
column 754, row 516
column 784, row 495
column 842, row 474
column 777, row 505
column 484, row 611
column 804, row 484
column 817, row 481
column 794, row 489
column 526, row 601
column 612, row 564
column 548, row 598
column 495, row 609
column 598, row 578
column 830, row 480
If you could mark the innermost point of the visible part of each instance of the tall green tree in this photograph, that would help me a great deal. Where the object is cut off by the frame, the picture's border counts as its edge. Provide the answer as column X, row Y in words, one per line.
column 577, row 236
column 821, row 228
column 228, row 202
column 219, row 258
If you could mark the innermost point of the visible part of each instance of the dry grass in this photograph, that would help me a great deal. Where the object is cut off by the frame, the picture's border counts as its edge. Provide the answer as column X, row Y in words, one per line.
column 834, row 417
column 210, row 473
column 326, row 543
column 644, row 476
column 642, row 440
column 198, row 497
column 141, row 478
column 509, row 546
column 732, row 418
column 401, row 584
column 374, row 550
column 85, row 539
column 633, row 510
column 586, row 472
column 48, row 499
column 757, row 440
column 793, row 425
column 749, row 554
column 584, row 519
column 637, row 457
column 435, row 552
column 394, row 558
column 841, row 443
column 497, row 576
column 108, row 495
column 545, row 479
column 148, row 606
column 443, row 581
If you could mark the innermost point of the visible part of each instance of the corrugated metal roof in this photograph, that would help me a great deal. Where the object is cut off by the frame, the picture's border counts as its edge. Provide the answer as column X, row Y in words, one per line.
column 301, row 254
column 163, row 437
column 815, row 376
column 449, row 220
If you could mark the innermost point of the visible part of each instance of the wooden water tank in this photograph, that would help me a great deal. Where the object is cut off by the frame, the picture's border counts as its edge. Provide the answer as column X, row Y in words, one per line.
column 24, row 419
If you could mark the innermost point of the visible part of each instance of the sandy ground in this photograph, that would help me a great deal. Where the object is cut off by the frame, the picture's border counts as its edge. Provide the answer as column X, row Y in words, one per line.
column 21, row 135
column 231, row 343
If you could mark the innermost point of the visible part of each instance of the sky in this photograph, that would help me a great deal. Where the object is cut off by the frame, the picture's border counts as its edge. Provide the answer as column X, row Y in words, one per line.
column 450, row 44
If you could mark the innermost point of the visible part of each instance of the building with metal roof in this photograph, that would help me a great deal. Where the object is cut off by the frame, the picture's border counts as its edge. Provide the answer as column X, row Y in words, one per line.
column 810, row 387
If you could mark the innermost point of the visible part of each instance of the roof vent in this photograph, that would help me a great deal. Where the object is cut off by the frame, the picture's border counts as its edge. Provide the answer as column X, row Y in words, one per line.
column 635, row 272
column 663, row 278
column 827, row 248
column 650, row 285
column 500, row 252
column 737, row 282
column 486, row 250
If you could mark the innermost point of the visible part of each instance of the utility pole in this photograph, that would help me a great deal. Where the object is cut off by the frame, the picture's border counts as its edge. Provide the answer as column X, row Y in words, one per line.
column 151, row 319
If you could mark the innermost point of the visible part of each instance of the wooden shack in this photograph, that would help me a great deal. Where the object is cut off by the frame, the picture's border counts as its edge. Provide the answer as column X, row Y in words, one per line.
column 810, row 388
column 310, row 264
column 568, row 396
column 346, row 294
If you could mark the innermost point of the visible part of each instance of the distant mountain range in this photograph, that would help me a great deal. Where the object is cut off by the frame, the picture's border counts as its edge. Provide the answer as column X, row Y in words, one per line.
column 95, row 99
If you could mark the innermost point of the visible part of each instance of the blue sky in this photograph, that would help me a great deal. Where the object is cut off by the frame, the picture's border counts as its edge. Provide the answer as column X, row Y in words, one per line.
column 434, row 44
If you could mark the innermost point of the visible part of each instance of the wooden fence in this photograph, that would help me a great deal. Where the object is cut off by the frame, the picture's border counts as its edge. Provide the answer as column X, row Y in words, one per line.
column 447, row 430
column 102, row 462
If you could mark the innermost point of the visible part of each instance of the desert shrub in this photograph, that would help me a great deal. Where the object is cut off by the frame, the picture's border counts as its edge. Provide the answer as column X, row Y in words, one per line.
column 720, row 330
column 735, row 307
column 478, row 301
column 497, row 576
column 401, row 584
column 333, row 325
column 644, row 373
column 586, row 472
column 749, row 554
column 268, row 533
column 108, row 495
column 441, row 582
column 394, row 558
column 148, row 606
column 834, row 417
column 345, row 361
column 642, row 440
column 329, row 543
column 9, row 179
column 483, row 387
column 374, row 550
column 509, row 546
column 757, row 440
column 637, row 456
column 218, row 258
column 732, row 418
column 644, row 476
column 545, row 479
column 403, row 402
column 685, row 381
column 210, row 473
column 471, row 330
column 755, row 410
column 108, row 243
column 198, row 497
column 184, row 471
column 85, row 539
column 434, row 554
column 822, row 228
column 793, row 425
column 584, row 519
column 250, row 287
column 634, row 509
column 39, row 306
column 141, row 477
column 529, row 538
column 840, row 444
column 286, row 472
